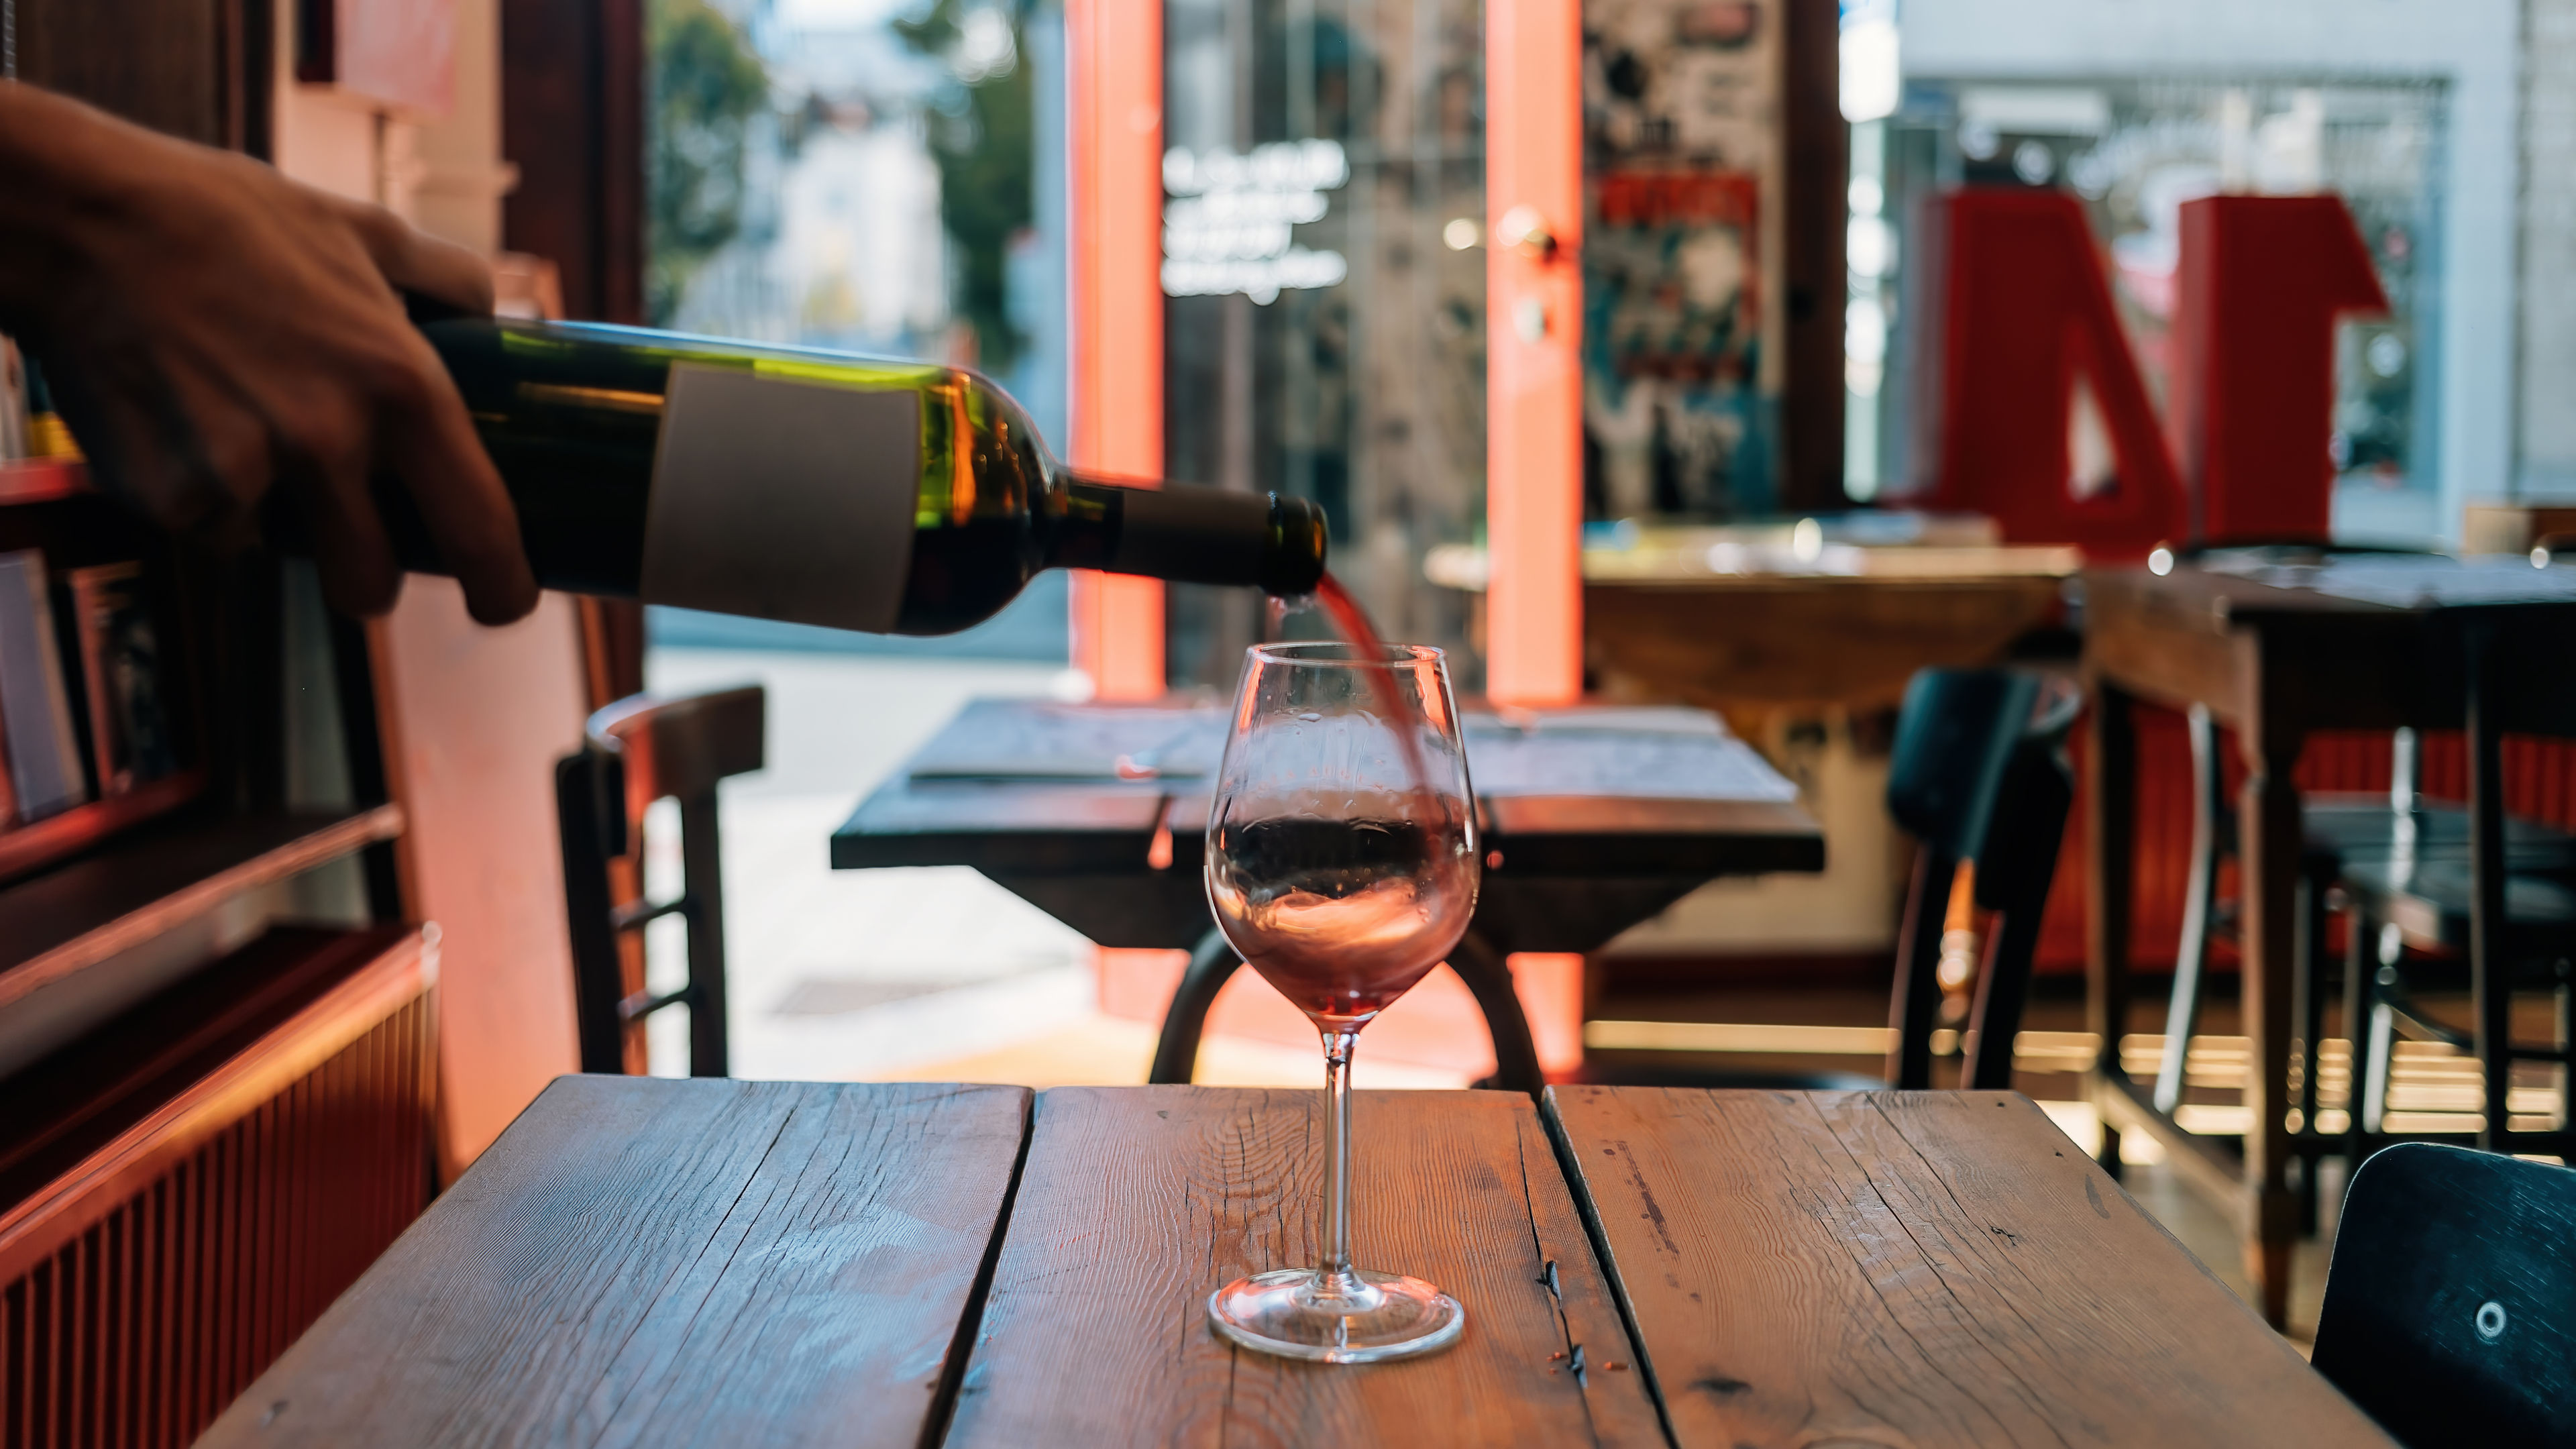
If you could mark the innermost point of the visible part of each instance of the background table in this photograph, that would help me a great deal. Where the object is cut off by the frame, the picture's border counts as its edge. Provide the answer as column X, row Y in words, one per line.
column 1594, row 820
column 1723, row 619
column 645, row 1262
column 2365, row 642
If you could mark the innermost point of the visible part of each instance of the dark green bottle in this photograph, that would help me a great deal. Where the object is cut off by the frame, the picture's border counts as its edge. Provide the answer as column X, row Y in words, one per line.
column 815, row 487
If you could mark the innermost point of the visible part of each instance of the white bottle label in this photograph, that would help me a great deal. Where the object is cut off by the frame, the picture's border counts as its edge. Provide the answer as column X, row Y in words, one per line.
column 779, row 499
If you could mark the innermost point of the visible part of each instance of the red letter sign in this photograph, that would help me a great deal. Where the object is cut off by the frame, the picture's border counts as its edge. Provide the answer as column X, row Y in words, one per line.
column 2263, row 279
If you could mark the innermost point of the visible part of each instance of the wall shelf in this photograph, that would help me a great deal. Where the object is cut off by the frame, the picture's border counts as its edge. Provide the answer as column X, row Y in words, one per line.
column 42, row 480
column 30, row 847
column 88, row 911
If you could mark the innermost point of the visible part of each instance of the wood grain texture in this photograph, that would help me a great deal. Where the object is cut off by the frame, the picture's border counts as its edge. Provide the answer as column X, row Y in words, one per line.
column 1916, row 1268
column 1137, row 1202
column 1728, row 642
column 641, row 1262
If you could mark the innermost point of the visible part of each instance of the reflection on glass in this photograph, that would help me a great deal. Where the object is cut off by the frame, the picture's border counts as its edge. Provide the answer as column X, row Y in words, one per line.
column 2135, row 150
column 1324, row 314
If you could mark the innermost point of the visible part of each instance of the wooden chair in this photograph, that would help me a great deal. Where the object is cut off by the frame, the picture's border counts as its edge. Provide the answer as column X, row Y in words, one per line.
column 1978, row 776
column 640, row 750
column 2450, row 1308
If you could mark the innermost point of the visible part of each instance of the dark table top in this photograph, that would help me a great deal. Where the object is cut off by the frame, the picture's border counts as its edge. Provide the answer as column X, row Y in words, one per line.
column 645, row 1262
column 2227, row 584
column 2361, row 642
column 1595, row 818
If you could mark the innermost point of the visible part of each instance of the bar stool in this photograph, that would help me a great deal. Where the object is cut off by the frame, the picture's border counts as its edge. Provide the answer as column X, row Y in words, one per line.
column 636, row 751
column 2509, row 910
column 2349, row 841
column 2425, row 904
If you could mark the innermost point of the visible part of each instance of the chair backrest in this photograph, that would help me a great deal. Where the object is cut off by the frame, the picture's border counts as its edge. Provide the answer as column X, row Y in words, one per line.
column 640, row 750
column 1955, row 737
column 2450, row 1309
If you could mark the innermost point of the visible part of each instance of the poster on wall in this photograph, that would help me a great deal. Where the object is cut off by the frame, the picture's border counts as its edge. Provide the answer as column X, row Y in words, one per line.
column 1681, row 178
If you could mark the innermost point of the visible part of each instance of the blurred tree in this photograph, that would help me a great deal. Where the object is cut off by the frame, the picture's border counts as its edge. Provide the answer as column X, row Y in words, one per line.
column 980, row 138
column 706, row 83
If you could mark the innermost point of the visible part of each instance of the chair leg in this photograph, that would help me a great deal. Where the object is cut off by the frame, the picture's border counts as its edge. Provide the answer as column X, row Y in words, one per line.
column 599, row 1030
column 2358, row 964
column 2566, row 1051
column 2110, row 851
column 1489, row 979
column 1915, row 1003
column 701, row 871
column 2373, row 1043
column 2308, row 1009
column 2191, row 955
column 1176, row 1050
column 2489, row 984
column 2003, row 984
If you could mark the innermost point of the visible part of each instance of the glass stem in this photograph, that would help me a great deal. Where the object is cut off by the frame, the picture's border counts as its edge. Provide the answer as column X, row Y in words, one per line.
column 1337, row 1278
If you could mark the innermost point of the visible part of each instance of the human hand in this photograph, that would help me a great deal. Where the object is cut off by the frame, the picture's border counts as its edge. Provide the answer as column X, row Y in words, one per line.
column 211, row 328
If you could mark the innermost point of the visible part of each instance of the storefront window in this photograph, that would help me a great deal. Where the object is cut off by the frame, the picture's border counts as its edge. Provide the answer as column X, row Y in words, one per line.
column 2135, row 151
column 1324, row 276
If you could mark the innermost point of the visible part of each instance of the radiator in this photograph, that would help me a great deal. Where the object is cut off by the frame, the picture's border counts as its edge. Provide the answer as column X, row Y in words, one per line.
column 201, row 1219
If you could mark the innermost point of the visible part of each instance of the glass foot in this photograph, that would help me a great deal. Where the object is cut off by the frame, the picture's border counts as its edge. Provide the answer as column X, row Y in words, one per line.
column 1365, row 1318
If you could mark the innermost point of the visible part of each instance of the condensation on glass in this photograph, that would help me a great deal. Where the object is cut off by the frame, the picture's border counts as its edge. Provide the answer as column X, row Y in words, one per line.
column 1324, row 275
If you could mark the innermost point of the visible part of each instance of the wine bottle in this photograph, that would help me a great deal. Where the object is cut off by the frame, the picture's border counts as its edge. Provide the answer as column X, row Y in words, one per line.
column 814, row 487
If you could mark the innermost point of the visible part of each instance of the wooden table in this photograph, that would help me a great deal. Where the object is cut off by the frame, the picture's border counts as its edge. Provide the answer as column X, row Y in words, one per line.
column 2278, row 652
column 645, row 1262
column 1770, row 630
column 1584, row 836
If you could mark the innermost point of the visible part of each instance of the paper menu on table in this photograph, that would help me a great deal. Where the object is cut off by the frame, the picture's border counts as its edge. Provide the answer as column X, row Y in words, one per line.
column 998, row 739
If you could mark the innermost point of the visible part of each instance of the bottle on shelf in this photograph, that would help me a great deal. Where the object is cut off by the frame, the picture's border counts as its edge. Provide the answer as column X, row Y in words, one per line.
column 814, row 487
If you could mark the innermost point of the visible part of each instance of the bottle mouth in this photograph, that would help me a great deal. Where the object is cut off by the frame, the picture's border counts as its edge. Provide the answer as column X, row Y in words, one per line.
column 1300, row 536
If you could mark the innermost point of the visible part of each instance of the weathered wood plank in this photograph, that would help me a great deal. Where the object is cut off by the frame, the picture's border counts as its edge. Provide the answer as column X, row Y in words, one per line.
column 1136, row 1203
column 1916, row 1268
column 643, row 1262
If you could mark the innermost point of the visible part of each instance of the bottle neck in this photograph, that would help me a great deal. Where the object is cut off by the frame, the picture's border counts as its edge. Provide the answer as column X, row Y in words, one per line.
column 1081, row 530
column 1189, row 534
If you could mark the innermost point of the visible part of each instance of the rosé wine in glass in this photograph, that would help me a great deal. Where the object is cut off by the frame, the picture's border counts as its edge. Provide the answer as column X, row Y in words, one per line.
column 1341, row 864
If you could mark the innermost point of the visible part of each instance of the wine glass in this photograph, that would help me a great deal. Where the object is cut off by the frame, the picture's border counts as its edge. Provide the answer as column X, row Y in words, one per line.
column 1341, row 863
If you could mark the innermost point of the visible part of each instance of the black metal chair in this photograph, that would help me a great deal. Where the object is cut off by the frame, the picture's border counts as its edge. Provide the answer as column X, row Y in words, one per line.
column 639, row 750
column 2425, row 902
column 2390, row 856
column 2393, row 858
column 2450, row 1308
column 1978, row 775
